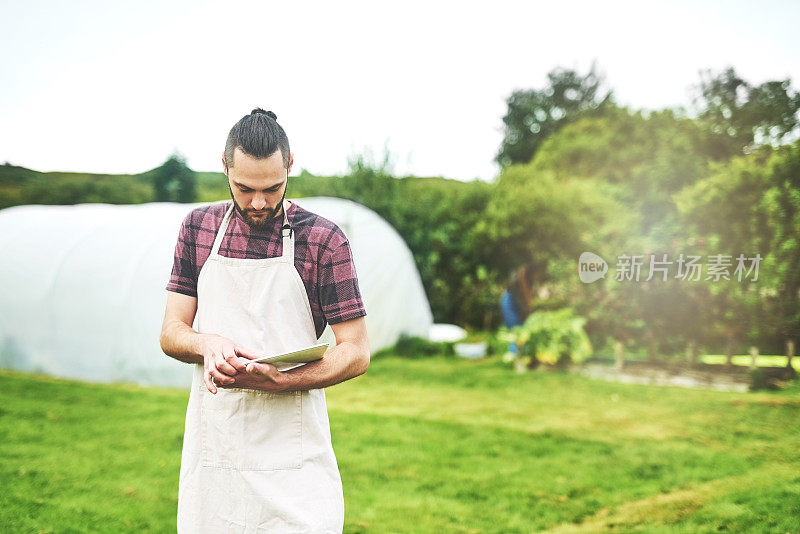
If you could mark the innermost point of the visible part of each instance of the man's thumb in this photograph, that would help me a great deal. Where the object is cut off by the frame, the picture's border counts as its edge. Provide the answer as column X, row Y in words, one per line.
column 254, row 368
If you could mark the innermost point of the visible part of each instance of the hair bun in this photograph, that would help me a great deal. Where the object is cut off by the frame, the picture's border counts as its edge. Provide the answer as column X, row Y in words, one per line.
column 259, row 111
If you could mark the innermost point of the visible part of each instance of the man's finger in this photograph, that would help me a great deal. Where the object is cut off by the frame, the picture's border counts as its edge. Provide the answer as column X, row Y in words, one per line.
column 234, row 361
column 209, row 382
column 260, row 369
column 221, row 378
column 223, row 366
column 247, row 353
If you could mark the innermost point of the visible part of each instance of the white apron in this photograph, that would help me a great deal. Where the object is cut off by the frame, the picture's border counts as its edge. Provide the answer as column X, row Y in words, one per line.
column 257, row 462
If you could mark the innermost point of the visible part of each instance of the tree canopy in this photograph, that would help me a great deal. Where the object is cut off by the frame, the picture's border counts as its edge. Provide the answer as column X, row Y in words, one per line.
column 535, row 114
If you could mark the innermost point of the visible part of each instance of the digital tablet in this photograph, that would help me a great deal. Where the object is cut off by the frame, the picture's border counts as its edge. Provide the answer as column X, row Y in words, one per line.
column 308, row 354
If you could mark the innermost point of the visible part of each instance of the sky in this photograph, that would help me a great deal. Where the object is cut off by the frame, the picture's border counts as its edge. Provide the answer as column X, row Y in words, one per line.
column 116, row 87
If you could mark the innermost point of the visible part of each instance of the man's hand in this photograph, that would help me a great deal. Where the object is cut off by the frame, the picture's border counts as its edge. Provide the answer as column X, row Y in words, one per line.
column 221, row 360
column 260, row 376
column 349, row 358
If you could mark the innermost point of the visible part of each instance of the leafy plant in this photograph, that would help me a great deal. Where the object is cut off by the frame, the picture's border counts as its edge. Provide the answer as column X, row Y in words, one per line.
column 550, row 337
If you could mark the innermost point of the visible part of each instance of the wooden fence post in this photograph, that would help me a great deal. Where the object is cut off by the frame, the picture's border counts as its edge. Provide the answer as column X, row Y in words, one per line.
column 729, row 353
column 691, row 353
column 754, row 357
column 619, row 356
column 789, row 352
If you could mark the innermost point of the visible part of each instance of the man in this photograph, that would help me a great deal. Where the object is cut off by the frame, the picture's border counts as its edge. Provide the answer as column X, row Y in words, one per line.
column 516, row 301
column 263, row 276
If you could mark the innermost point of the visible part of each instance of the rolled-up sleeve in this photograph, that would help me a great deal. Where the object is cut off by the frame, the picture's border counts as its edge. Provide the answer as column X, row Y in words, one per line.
column 183, row 278
column 339, row 294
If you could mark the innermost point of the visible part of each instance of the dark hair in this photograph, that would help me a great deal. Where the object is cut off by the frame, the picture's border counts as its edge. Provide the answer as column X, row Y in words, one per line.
column 259, row 135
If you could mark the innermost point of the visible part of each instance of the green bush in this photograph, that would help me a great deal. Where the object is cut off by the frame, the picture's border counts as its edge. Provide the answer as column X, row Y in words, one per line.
column 495, row 346
column 758, row 380
column 417, row 347
column 550, row 337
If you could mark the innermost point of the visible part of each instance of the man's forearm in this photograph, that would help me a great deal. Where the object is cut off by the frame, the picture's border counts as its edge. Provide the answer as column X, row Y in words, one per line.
column 181, row 342
column 345, row 361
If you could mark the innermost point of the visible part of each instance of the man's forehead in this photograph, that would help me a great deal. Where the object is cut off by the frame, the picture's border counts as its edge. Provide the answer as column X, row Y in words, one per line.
column 262, row 172
column 240, row 157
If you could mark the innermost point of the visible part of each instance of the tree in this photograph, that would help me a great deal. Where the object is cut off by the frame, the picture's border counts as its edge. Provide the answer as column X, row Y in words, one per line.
column 739, row 116
column 533, row 115
column 174, row 181
column 752, row 206
column 647, row 158
column 641, row 160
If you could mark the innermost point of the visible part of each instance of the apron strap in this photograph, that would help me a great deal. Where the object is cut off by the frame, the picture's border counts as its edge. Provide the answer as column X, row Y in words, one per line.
column 221, row 231
column 287, row 233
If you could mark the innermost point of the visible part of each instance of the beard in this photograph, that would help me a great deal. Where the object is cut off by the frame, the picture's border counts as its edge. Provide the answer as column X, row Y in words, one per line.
column 262, row 223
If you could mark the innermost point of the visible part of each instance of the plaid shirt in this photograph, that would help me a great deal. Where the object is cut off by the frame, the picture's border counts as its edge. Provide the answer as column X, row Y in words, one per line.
column 321, row 255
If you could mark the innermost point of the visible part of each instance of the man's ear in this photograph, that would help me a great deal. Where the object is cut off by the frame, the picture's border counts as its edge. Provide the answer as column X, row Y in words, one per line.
column 291, row 162
column 224, row 165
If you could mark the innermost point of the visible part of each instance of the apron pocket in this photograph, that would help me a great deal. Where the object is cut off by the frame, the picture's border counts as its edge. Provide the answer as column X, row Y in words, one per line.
column 251, row 430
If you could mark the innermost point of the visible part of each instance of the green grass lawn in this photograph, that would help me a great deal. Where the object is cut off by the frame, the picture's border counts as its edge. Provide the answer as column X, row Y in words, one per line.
column 745, row 359
column 430, row 445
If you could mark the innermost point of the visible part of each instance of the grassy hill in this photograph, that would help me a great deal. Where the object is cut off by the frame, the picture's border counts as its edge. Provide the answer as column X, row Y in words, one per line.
column 19, row 185
column 430, row 445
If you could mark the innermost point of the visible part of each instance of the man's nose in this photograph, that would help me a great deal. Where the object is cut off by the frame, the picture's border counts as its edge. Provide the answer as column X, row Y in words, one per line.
column 259, row 201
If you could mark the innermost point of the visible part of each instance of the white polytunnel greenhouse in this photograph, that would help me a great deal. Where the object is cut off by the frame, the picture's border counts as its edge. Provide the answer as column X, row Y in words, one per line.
column 84, row 286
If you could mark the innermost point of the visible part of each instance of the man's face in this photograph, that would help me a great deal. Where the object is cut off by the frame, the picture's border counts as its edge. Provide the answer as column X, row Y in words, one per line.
column 257, row 187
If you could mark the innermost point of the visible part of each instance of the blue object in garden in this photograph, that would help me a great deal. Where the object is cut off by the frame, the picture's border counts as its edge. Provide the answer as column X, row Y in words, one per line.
column 510, row 315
